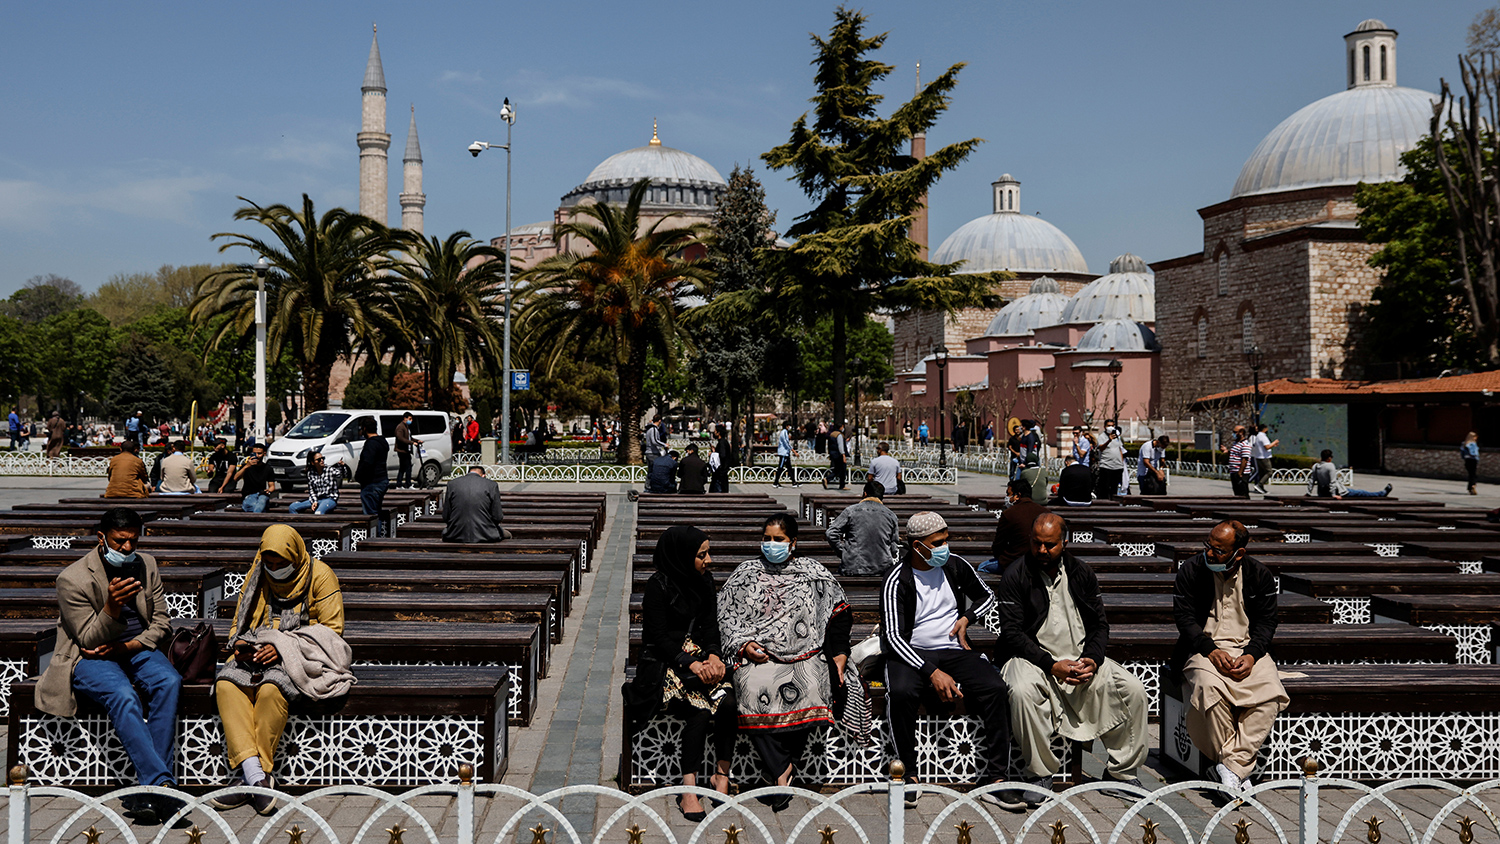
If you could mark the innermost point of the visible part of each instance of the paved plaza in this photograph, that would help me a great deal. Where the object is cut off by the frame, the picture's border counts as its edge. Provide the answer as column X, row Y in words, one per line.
column 575, row 738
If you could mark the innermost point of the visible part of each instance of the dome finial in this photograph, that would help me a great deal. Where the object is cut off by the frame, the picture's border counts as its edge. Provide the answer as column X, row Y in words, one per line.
column 655, row 141
column 1371, row 51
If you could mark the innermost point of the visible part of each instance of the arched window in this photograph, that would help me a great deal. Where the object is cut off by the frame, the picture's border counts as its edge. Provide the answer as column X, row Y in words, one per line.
column 1382, row 62
column 1202, row 337
column 1247, row 330
column 1351, row 67
column 1366, row 49
column 1224, row 273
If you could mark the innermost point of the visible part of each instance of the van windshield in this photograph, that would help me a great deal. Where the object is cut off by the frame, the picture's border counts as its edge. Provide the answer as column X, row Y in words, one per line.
column 317, row 426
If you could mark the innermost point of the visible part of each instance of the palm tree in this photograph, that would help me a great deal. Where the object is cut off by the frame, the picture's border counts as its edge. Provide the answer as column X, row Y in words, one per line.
column 627, row 292
column 454, row 297
column 325, row 293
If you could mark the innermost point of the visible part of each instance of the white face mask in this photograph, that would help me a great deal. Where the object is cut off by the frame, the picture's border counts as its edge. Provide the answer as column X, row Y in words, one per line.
column 282, row 574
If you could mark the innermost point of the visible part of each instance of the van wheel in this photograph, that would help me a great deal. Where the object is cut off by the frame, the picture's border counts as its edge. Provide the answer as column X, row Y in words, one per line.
column 429, row 475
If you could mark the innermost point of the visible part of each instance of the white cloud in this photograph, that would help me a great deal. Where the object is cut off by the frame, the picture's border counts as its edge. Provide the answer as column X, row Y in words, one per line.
column 34, row 204
column 469, row 77
column 535, row 88
column 311, row 152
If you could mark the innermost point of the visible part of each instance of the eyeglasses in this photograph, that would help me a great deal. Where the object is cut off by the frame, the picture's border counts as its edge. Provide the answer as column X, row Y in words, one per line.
column 1216, row 553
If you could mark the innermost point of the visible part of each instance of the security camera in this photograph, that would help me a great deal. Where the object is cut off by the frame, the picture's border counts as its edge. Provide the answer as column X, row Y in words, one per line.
column 476, row 148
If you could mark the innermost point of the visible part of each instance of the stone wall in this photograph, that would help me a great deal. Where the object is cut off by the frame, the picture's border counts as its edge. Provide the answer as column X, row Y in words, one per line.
column 1438, row 462
column 1342, row 285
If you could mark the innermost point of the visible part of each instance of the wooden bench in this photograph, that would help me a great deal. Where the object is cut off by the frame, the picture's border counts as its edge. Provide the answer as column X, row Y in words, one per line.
column 398, row 728
column 1181, row 550
column 190, row 590
column 1349, row 592
column 1466, row 617
column 26, row 645
column 321, row 539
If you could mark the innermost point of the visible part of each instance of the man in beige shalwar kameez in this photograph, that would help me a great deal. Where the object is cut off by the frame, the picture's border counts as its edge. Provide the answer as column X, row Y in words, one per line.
column 1225, row 606
column 1051, row 646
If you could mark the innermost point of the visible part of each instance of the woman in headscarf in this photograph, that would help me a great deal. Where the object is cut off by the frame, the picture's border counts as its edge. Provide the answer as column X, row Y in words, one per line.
column 785, row 626
column 285, row 590
column 681, row 668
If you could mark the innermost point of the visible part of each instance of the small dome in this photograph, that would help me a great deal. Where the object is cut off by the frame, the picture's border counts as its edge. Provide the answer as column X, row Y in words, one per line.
column 1127, row 292
column 1119, row 335
column 1010, row 241
column 1037, row 309
column 1371, row 25
column 1044, row 285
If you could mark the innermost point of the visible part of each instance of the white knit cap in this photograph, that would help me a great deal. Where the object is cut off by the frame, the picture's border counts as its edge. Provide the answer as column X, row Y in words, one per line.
column 923, row 524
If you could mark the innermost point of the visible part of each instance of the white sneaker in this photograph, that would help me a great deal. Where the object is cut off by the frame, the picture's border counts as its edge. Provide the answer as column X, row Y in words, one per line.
column 1228, row 778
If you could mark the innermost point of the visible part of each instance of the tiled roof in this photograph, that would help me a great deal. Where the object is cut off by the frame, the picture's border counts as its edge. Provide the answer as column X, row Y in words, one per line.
column 1475, row 382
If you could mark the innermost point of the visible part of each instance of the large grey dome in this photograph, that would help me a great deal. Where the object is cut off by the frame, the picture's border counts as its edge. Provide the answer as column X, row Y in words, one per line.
column 1039, row 308
column 1011, row 241
column 1119, row 335
column 1127, row 292
column 678, row 179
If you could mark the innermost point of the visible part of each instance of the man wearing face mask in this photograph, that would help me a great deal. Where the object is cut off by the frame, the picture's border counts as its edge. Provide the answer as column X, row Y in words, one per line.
column 1225, row 606
column 1053, row 633
column 112, row 615
column 1111, row 464
column 926, row 607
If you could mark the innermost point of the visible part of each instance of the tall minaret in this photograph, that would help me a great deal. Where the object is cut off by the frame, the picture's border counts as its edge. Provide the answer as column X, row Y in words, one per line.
column 919, row 152
column 412, row 198
column 373, row 140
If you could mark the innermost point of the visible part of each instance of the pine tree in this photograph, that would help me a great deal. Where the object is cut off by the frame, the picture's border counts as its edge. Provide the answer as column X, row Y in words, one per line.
column 142, row 381
column 853, row 254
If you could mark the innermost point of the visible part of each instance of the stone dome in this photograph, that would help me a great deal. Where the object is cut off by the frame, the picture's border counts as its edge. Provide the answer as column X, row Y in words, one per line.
column 1010, row 240
column 1119, row 335
column 1127, row 292
column 1040, row 307
column 678, row 179
column 1371, row 25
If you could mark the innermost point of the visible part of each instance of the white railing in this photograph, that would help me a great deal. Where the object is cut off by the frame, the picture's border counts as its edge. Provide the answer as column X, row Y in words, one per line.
column 612, row 473
column 1289, row 811
column 38, row 463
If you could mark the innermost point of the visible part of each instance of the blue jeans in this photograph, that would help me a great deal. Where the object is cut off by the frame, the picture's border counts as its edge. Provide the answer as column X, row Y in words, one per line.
column 147, row 735
column 1365, row 493
column 323, row 506
column 372, row 495
column 255, row 502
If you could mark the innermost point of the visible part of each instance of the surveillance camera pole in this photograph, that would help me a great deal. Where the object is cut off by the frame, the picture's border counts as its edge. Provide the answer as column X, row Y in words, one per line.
column 508, row 114
column 259, row 268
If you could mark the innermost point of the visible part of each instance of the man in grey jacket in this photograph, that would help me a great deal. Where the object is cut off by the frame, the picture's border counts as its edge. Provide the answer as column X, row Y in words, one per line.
column 471, row 509
column 866, row 535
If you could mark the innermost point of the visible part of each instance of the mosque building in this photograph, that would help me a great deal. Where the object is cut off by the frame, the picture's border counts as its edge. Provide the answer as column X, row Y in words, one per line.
column 1284, row 266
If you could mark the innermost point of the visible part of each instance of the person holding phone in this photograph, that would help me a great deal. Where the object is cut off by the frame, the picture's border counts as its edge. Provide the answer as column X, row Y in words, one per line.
column 112, row 615
column 256, row 481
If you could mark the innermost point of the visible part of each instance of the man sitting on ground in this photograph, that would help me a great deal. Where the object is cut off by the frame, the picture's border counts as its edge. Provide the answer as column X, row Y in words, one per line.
column 1324, row 482
column 866, row 535
column 112, row 616
column 1013, row 530
column 1053, row 634
column 472, row 511
column 692, row 473
column 1075, row 486
column 322, row 486
column 926, row 607
column 661, row 476
column 1225, row 606
column 177, row 474
column 127, row 473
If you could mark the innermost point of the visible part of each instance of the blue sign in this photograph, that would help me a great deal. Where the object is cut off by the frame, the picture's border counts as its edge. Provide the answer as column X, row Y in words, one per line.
column 520, row 379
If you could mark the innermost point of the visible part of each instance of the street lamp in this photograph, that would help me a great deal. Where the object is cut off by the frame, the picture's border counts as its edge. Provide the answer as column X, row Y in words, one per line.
column 941, row 353
column 507, row 114
column 858, row 364
column 1115, row 368
column 426, row 373
column 1253, row 357
column 260, row 268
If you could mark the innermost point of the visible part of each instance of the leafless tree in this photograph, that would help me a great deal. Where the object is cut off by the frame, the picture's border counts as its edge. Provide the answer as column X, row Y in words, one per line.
column 1089, row 395
column 998, row 402
column 1177, row 402
column 1039, row 397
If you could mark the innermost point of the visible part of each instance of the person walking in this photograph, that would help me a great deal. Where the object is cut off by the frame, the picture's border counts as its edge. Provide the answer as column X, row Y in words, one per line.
column 866, row 535
column 1111, row 462
column 15, row 428
column 922, row 432
column 1260, row 451
column 403, row 451
column 721, row 460
column 838, row 457
column 1469, row 450
column 784, row 456
column 1241, row 469
column 56, row 427
column 372, row 474
column 471, row 436
column 322, row 486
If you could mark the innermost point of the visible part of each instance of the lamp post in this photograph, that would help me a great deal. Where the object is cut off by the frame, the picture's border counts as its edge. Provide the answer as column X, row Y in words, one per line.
column 260, row 268
column 507, row 114
column 1115, row 368
column 1253, row 357
column 858, row 364
column 941, row 353
column 426, row 373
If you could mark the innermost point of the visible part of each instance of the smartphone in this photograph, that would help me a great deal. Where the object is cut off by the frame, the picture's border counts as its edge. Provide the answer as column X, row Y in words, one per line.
column 244, row 651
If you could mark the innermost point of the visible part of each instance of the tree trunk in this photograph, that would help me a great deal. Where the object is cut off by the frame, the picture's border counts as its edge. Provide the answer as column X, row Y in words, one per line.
column 631, row 377
column 840, row 355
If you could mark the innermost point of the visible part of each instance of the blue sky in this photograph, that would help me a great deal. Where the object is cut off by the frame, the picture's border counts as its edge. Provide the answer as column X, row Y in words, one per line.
column 131, row 128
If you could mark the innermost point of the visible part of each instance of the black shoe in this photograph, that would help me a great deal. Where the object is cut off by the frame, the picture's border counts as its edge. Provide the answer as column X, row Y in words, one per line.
column 264, row 804
column 825, row 483
column 1009, row 799
column 1037, row 795
column 1388, row 489
column 692, row 816
column 141, row 810
column 166, row 807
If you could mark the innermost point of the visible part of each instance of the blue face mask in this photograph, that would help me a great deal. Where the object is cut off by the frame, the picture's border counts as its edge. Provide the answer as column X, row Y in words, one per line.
column 939, row 556
column 1218, row 567
column 115, row 558
column 776, row 553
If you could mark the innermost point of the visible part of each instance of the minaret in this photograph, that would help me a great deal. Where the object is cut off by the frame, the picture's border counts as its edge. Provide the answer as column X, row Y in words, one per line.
column 919, row 152
column 412, row 198
column 373, row 140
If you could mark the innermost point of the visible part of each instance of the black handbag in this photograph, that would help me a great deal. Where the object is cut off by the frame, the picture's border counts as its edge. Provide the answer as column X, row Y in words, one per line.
column 194, row 652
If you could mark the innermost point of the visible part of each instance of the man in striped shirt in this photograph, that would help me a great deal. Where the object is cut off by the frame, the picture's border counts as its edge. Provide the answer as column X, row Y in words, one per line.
column 1240, row 466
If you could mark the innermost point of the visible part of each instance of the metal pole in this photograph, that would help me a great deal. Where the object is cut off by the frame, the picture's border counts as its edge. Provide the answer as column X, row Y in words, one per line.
column 942, row 417
column 260, row 358
column 1116, row 377
column 505, row 365
column 1255, row 411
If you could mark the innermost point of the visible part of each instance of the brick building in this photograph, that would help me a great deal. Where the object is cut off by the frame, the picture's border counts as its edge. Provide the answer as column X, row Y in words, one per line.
column 1284, row 266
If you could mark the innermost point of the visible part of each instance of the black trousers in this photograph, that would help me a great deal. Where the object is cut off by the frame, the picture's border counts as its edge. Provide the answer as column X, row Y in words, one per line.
column 403, row 468
column 1240, row 484
column 720, row 480
column 722, row 726
column 838, row 471
column 1109, row 483
column 778, row 749
column 783, row 463
column 1472, row 467
column 1151, row 486
column 985, row 697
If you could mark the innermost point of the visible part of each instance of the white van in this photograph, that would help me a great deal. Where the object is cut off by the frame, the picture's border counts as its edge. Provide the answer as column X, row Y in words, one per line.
column 339, row 435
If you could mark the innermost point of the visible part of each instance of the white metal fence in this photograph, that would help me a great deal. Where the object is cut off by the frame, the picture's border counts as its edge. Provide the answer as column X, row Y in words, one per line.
column 1290, row 811
column 611, row 473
